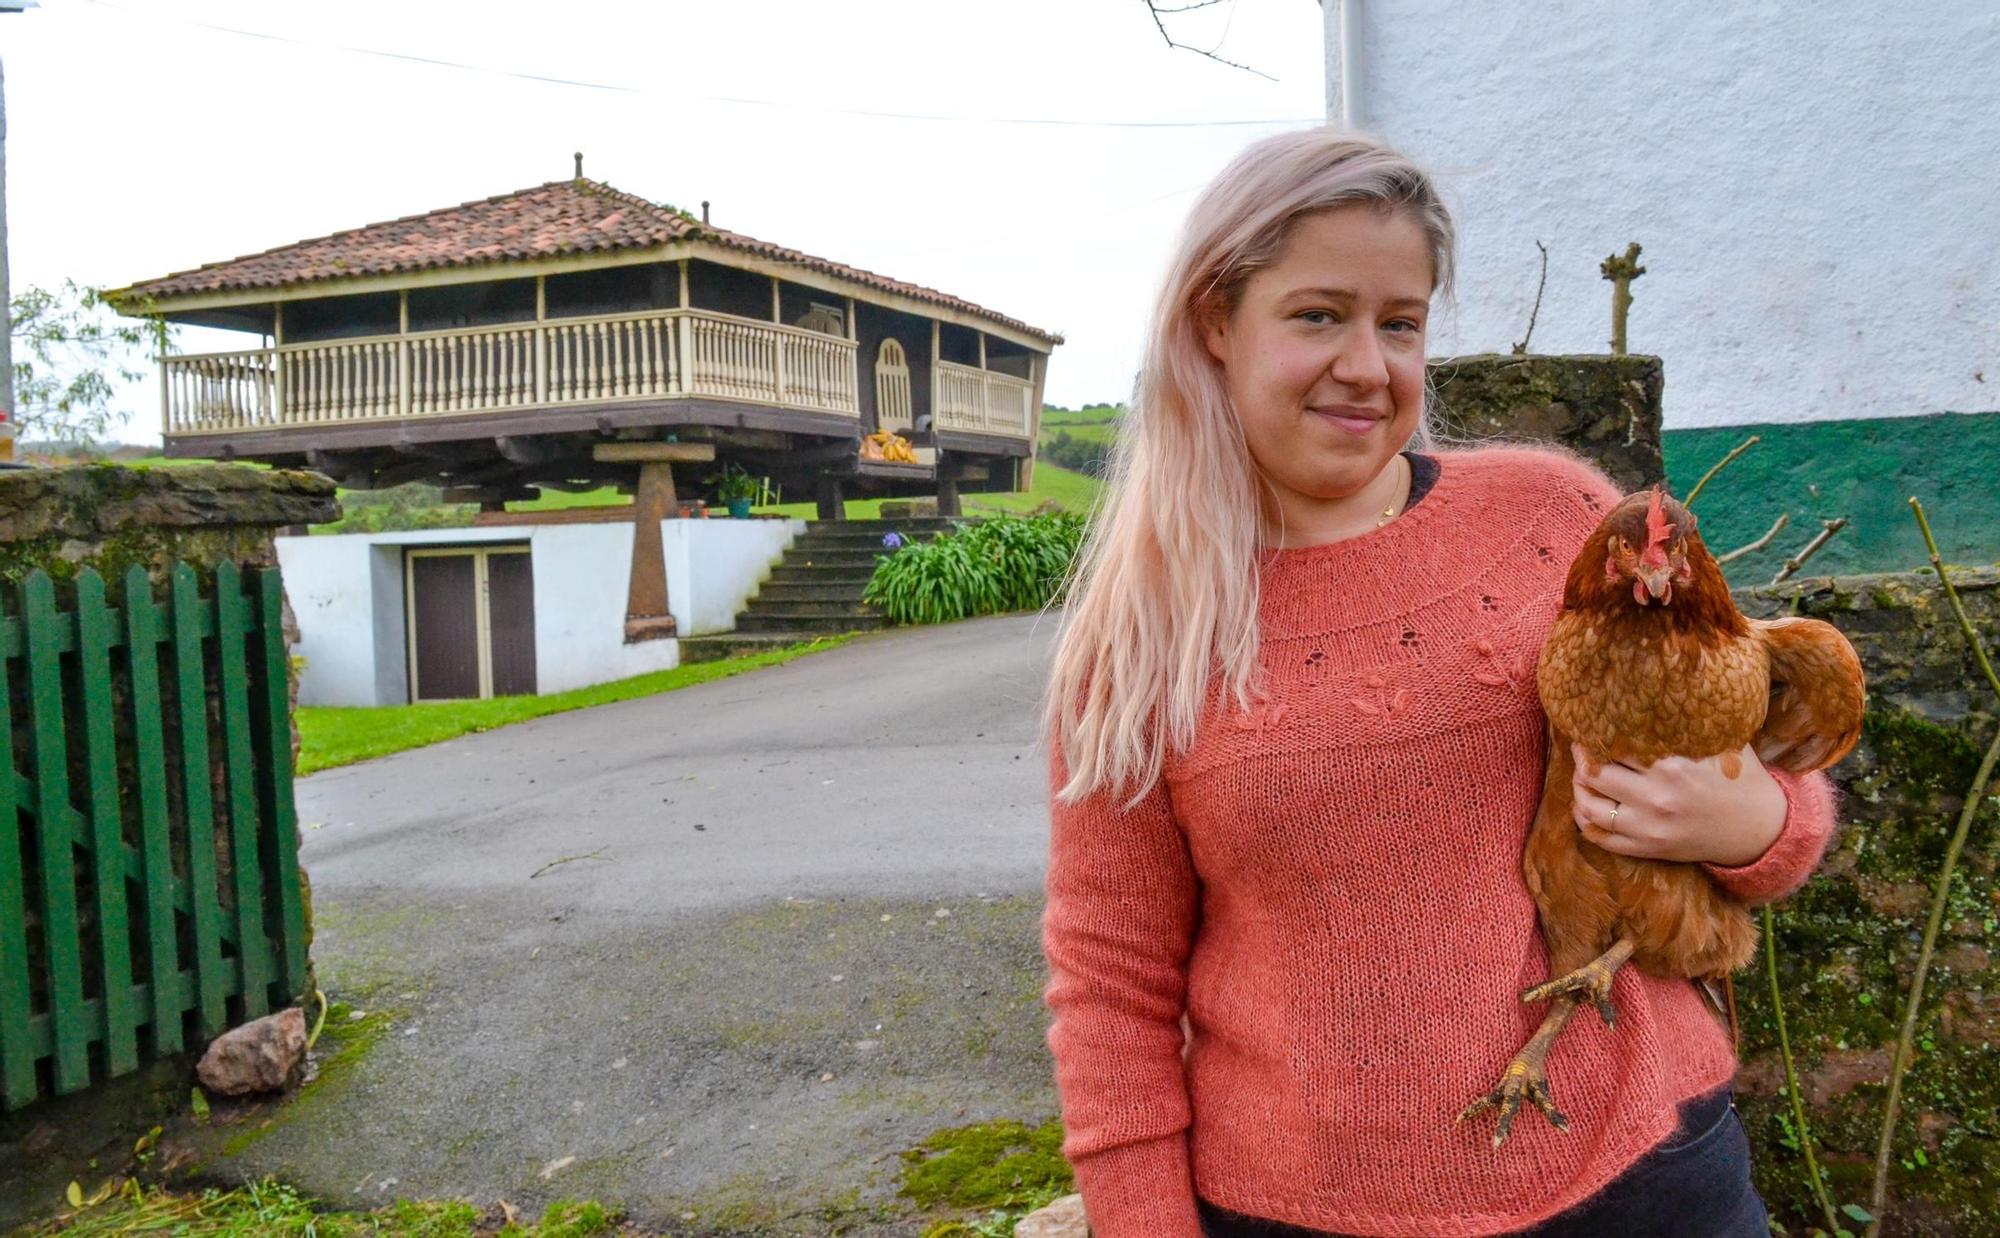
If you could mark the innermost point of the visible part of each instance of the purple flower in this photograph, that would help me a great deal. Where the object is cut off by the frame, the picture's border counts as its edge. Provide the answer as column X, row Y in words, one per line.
column 893, row 541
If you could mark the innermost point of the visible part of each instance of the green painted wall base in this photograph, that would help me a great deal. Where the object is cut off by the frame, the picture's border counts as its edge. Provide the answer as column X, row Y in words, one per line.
column 1865, row 470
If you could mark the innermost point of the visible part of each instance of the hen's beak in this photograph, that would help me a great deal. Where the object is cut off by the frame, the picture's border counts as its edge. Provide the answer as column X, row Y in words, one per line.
column 1659, row 582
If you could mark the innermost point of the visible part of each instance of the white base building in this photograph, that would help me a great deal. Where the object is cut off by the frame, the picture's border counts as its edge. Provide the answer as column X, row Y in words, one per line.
column 436, row 614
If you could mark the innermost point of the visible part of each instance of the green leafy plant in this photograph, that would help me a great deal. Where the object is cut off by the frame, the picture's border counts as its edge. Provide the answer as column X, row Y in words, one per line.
column 70, row 353
column 1004, row 564
column 734, row 485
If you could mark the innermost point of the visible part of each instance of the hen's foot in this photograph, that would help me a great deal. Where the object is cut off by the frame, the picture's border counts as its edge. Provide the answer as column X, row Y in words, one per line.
column 1525, row 1080
column 1591, row 981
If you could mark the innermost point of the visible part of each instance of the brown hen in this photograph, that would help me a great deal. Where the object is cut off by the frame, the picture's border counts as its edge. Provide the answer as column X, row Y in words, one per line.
column 1650, row 658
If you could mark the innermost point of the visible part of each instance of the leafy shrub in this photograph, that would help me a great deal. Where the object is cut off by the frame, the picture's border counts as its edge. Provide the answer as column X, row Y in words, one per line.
column 413, row 505
column 1078, row 453
column 1007, row 563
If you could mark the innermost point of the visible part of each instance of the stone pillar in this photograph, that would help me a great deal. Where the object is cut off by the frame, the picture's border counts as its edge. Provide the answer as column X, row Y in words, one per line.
column 1605, row 408
column 647, row 614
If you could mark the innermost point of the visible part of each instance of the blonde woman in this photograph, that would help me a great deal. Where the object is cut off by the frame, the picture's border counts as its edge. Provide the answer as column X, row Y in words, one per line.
column 1295, row 751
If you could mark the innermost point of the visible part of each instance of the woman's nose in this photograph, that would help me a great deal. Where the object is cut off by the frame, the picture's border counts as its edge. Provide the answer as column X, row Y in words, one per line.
column 1360, row 362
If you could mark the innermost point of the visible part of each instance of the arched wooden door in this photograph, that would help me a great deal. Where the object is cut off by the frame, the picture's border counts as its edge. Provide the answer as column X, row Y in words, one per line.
column 892, row 388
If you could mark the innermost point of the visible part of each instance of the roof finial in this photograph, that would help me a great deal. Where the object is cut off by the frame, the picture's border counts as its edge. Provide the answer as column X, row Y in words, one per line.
column 579, row 165
column 704, row 211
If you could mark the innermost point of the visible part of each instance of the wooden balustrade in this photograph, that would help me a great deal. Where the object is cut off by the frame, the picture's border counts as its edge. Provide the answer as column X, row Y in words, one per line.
column 983, row 401
column 217, row 391
column 661, row 354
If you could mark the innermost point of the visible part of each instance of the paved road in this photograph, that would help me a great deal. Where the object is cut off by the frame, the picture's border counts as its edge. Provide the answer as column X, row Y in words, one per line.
column 804, row 936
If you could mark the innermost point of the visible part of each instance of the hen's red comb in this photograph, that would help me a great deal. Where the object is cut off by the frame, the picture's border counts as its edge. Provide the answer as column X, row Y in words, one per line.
column 1658, row 530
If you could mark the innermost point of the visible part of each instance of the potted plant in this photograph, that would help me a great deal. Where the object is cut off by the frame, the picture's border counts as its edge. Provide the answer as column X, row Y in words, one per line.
column 738, row 489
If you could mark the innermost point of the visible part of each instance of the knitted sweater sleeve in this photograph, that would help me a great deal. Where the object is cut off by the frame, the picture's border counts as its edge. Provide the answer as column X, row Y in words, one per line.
column 1122, row 907
column 1810, row 801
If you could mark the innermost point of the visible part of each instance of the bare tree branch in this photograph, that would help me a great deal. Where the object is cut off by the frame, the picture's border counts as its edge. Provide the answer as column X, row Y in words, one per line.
column 1721, row 464
column 1521, row 349
column 1798, row 560
column 1159, row 12
column 1784, row 518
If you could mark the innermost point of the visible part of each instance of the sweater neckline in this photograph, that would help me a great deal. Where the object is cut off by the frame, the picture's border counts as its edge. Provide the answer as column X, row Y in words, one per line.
column 1390, row 537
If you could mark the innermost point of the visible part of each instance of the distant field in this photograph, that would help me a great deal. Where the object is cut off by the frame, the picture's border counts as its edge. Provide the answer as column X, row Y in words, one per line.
column 1083, row 431
column 1095, row 414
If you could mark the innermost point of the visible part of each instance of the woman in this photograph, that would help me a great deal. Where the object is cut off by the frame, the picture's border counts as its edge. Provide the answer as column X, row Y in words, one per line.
column 1295, row 752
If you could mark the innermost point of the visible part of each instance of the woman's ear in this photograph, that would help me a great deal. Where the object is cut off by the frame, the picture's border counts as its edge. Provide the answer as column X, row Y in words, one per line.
column 1213, row 322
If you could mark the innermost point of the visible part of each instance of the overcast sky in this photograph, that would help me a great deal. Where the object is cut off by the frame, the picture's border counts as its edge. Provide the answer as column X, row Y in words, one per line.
column 149, row 136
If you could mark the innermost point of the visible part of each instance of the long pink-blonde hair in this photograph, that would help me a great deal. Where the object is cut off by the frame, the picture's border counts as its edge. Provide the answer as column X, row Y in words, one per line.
column 1163, row 596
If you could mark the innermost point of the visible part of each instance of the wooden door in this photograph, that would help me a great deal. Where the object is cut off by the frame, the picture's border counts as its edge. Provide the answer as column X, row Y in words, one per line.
column 471, row 616
column 510, row 611
column 444, row 627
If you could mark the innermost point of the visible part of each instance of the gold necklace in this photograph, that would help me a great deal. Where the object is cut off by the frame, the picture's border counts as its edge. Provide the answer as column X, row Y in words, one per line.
column 1389, row 512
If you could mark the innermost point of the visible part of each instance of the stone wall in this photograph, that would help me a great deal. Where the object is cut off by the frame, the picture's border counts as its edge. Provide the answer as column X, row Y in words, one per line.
column 1847, row 943
column 1605, row 408
column 108, row 517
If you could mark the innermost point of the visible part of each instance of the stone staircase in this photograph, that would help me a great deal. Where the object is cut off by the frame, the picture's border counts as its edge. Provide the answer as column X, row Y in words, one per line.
column 815, row 590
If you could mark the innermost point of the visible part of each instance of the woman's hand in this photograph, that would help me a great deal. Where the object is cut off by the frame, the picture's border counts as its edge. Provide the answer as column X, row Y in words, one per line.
column 1725, row 809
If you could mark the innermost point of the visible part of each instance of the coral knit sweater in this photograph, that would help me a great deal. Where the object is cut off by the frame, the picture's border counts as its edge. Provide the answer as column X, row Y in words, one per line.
column 1330, row 890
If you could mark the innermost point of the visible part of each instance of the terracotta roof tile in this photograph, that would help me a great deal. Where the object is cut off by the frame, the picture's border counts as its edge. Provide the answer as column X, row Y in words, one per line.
column 561, row 217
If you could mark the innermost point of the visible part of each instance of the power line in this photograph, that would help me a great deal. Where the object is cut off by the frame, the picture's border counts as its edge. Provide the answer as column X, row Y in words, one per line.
column 740, row 101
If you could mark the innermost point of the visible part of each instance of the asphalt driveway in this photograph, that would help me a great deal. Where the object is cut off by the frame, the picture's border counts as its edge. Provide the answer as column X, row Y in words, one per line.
column 718, row 956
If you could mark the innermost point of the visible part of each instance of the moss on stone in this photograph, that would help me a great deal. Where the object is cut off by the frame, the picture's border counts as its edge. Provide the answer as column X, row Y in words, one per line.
column 1606, row 408
column 986, row 1165
column 1846, row 948
column 344, row 1045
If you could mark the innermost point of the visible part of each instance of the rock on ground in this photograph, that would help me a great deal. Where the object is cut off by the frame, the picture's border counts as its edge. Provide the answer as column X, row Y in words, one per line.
column 259, row 1056
column 1061, row 1219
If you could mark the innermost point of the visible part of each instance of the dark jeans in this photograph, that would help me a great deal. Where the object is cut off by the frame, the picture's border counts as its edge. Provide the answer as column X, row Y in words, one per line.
column 1696, row 1184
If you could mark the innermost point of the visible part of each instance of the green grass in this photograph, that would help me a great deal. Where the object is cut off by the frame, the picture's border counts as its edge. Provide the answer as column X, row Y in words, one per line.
column 1074, row 491
column 261, row 1208
column 330, row 736
column 558, row 500
column 1090, row 414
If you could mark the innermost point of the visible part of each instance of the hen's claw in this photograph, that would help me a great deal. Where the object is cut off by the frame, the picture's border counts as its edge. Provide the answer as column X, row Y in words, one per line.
column 1523, row 1079
column 1592, row 981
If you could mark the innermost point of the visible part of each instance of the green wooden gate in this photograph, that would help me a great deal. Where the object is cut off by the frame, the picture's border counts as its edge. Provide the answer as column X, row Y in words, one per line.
column 149, row 882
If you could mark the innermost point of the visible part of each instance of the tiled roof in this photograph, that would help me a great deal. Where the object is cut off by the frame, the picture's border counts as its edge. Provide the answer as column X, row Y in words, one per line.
column 560, row 218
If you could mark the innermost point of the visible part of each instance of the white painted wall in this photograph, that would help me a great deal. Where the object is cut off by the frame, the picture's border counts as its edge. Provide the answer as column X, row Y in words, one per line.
column 1814, row 185
column 328, row 581
column 347, row 591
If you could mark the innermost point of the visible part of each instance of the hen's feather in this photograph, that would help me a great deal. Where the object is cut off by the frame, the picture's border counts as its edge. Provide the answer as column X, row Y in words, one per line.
column 1816, row 695
column 1635, row 682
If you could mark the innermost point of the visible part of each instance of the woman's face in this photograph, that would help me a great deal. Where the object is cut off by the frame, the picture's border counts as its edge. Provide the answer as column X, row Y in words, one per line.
column 1323, row 356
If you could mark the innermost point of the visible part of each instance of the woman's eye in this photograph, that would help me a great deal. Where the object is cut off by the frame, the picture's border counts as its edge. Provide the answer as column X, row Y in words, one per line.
column 1317, row 318
column 1405, row 324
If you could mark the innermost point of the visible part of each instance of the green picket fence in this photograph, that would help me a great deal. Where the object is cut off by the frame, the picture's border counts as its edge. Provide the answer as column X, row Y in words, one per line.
column 149, row 881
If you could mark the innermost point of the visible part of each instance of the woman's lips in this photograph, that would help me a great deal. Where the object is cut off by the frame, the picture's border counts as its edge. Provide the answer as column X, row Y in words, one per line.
column 1354, row 421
